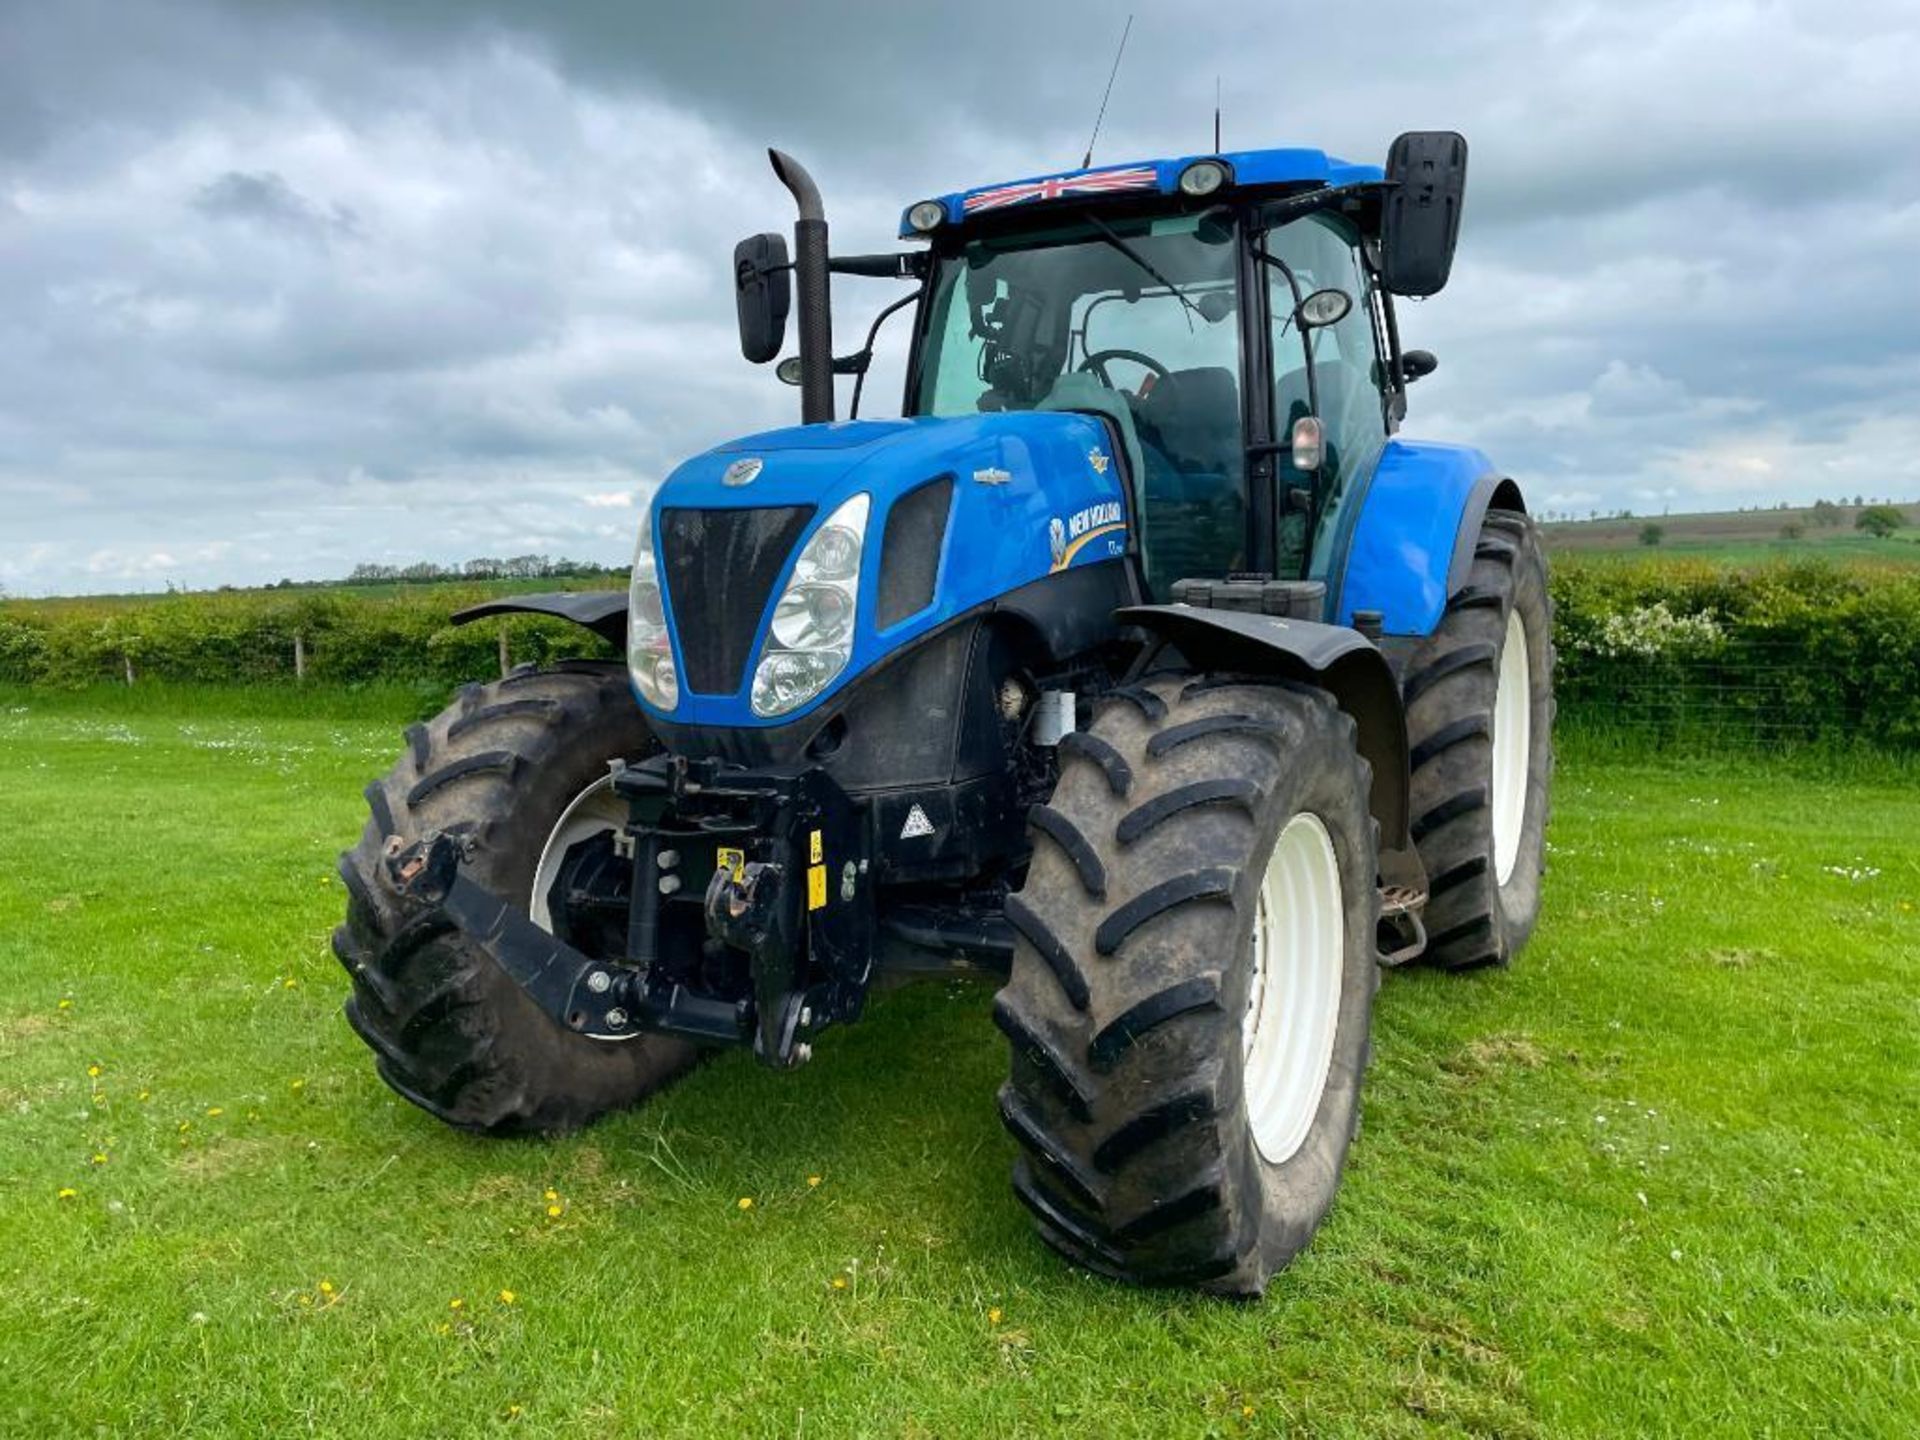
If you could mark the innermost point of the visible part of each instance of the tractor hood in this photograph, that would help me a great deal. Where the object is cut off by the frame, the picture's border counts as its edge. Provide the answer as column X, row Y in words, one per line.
column 960, row 511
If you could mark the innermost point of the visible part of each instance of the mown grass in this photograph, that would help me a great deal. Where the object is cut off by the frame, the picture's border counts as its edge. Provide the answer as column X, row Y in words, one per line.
column 1658, row 1179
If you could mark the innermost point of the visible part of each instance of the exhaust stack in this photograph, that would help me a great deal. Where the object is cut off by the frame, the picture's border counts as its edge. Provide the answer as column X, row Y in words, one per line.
column 810, row 273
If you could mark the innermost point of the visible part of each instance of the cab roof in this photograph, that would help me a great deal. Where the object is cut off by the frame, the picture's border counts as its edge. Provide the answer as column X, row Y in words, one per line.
column 1245, row 168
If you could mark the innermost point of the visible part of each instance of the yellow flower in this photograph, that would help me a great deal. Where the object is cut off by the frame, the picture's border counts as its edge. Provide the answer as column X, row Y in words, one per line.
column 993, row 1316
column 813, row 1182
column 551, row 1196
column 298, row 1086
column 746, row 1202
column 68, row 1193
column 1247, row 1410
column 306, row 1299
column 215, row 1110
column 144, row 1095
column 554, row 1212
column 66, row 1004
column 512, row 1411
column 507, row 1297
column 326, row 1287
column 289, row 983
column 99, row 1158
column 456, row 1303
column 93, row 1072
column 185, row 1125
column 839, row 1282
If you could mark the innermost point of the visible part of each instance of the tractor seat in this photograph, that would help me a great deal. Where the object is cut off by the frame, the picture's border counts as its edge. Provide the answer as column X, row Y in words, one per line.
column 1193, row 417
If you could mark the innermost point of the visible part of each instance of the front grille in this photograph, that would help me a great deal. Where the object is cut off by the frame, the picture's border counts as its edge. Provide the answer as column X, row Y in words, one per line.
column 721, row 566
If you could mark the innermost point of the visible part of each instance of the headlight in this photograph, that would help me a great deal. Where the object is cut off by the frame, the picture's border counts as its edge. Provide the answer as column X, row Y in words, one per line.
column 927, row 216
column 812, row 633
column 649, row 650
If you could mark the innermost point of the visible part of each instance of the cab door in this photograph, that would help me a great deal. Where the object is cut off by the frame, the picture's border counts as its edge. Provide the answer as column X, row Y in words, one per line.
column 1332, row 371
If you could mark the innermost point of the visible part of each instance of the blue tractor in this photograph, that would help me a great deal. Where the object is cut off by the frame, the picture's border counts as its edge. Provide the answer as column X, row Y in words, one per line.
column 1140, row 664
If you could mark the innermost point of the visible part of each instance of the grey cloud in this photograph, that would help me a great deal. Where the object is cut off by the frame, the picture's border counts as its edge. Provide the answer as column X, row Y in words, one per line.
column 267, row 199
column 291, row 286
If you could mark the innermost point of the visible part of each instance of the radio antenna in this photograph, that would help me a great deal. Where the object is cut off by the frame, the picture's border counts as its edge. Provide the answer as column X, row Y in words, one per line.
column 1088, row 160
column 1216, row 114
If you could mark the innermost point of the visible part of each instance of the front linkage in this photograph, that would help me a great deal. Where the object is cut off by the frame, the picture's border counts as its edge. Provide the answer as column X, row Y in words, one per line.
column 741, row 901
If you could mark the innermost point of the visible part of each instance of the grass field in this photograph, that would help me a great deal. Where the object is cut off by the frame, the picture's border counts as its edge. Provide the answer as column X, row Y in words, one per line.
column 1742, row 537
column 1658, row 1179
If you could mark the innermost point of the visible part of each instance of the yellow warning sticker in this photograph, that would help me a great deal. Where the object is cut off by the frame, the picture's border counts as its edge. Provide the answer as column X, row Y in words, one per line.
column 726, row 859
column 816, row 887
column 814, row 855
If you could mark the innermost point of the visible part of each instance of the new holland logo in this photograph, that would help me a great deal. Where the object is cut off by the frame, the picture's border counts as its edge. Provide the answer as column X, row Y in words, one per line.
column 1083, row 527
column 741, row 472
column 1097, row 458
column 917, row 825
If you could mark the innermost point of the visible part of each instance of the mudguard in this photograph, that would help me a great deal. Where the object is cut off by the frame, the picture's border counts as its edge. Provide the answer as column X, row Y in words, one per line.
column 1408, row 537
column 1337, row 659
column 602, row 611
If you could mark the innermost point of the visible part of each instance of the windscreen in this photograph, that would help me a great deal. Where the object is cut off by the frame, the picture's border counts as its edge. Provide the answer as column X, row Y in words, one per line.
column 1130, row 319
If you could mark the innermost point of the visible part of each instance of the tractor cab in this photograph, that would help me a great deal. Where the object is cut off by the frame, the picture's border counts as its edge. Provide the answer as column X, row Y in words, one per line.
column 1228, row 317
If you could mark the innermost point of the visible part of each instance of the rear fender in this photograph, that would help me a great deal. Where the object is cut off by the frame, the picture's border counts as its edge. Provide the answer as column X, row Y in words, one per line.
column 602, row 611
column 1341, row 661
column 1409, row 545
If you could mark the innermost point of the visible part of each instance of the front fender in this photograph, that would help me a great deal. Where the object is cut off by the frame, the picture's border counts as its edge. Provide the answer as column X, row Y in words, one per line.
column 1337, row 659
column 602, row 611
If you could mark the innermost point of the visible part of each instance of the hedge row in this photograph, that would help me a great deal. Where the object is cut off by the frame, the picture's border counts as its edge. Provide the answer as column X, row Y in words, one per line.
column 1663, row 647
column 1767, row 655
column 250, row 637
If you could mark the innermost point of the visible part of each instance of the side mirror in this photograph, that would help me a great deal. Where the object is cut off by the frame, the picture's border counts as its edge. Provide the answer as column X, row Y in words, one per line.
column 1415, row 363
column 1426, row 185
column 763, row 294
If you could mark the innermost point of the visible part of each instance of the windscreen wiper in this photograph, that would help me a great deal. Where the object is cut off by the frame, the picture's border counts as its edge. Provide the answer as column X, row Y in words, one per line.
column 1137, row 258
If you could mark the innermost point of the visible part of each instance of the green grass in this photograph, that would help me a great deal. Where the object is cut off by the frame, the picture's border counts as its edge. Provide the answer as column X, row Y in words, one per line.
column 1658, row 1179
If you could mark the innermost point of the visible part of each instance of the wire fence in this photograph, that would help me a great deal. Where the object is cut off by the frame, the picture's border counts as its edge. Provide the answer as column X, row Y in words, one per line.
column 1779, row 701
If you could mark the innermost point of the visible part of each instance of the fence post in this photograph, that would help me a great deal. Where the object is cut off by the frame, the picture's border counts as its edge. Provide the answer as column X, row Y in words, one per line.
column 127, row 661
column 506, row 662
column 299, row 657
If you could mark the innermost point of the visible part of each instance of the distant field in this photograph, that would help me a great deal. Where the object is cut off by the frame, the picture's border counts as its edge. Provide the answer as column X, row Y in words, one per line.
column 1655, row 1180
column 1743, row 537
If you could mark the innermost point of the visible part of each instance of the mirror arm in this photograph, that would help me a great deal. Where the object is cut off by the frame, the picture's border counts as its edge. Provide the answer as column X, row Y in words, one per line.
column 901, row 265
column 865, row 354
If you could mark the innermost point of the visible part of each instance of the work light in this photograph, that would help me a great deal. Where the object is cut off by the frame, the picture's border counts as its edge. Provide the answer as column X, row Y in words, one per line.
column 927, row 216
column 1202, row 177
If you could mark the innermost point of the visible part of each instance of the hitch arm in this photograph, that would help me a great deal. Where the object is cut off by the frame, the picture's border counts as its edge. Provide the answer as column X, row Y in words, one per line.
column 596, row 999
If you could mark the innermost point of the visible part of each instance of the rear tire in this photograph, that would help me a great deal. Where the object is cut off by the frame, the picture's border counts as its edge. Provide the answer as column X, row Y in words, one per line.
column 1131, row 1007
column 450, row 1030
column 1479, row 702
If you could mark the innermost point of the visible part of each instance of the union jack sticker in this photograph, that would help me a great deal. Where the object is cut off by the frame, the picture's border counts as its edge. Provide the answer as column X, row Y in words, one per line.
column 1091, row 182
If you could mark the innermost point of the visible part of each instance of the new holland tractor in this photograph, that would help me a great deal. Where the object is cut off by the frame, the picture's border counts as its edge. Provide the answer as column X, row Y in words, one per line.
column 1141, row 663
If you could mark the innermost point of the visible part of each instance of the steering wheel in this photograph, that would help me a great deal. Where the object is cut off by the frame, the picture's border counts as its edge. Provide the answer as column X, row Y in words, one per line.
column 1097, row 363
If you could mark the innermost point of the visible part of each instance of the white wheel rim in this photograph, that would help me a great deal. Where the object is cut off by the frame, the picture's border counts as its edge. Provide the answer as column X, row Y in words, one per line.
column 1512, row 739
column 1299, row 953
column 594, row 811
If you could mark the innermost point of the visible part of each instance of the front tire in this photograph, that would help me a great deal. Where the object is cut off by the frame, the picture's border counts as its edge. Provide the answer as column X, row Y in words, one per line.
column 1479, row 703
column 1193, row 982
column 517, row 768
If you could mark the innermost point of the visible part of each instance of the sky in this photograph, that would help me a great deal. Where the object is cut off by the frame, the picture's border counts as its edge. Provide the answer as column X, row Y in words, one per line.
column 288, row 287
